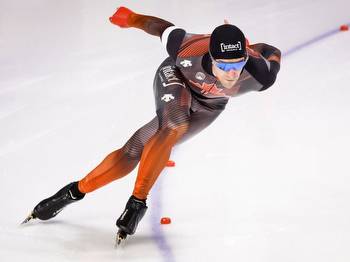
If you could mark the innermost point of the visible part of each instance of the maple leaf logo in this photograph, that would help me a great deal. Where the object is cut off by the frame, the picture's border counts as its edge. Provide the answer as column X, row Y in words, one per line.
column 208, row 88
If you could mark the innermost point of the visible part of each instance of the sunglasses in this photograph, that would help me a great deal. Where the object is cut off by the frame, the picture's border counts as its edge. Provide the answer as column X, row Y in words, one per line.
column 230, row 66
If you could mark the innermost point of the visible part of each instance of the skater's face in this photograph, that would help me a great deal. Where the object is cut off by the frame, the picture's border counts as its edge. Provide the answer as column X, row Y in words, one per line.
column 227, row 71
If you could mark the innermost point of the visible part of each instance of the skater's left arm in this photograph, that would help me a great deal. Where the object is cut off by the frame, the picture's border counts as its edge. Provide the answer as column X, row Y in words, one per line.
column 264, row 63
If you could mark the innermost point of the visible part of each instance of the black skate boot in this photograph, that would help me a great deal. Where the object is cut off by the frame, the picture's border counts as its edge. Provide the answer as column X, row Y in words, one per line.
column 50, row 207
column 127, row 223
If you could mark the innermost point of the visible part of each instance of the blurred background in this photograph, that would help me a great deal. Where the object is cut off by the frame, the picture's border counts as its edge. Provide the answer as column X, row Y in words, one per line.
column 74, row 87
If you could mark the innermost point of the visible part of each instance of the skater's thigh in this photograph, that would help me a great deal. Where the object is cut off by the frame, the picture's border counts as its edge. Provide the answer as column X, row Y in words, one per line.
column 198, row 121
column 134, row 146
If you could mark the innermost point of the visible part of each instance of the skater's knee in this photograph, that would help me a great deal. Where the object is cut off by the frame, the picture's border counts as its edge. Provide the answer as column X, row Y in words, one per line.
column 134, row 146
column 174, row 122
column 132, row 152
column 176, row 131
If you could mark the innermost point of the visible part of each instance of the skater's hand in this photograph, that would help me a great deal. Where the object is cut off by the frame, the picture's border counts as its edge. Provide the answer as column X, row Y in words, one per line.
column 122, row 17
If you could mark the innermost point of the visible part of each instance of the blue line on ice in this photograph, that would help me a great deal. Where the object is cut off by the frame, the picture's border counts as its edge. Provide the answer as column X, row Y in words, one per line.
column 156, row 213
column 313, row 41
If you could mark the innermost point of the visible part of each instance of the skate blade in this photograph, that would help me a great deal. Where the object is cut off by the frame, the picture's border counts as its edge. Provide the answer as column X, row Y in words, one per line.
column 120, row 239
column 29, row 217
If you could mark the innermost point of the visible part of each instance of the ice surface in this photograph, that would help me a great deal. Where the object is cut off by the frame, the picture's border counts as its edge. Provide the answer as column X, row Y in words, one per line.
column 268, row 181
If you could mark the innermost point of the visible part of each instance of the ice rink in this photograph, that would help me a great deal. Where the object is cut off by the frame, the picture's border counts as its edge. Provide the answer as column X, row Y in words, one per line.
column 269, row 181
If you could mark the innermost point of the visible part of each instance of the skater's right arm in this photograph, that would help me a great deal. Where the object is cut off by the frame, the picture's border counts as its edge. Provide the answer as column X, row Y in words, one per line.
column 126, row 18
column 171, row 36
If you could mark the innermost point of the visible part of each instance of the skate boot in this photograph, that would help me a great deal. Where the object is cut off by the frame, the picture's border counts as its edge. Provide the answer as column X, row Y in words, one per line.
column 127, row 223
column 50, row 207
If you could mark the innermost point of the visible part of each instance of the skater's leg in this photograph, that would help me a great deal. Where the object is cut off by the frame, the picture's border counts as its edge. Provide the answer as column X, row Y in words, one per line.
column 154, row 158
column 174, row 110
column 176, row 125
column 173, row 102
column 120, row 162
column 157, row 151
column 201, row 117
column 114, row 166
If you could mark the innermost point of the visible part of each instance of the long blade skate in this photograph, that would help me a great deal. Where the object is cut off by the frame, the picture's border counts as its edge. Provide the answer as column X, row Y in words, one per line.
column 121, row 236
column 51, row 206
column 29, row 217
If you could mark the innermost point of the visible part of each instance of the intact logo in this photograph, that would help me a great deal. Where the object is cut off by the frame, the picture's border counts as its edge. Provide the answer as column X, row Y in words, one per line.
column 169, row 73
column 167, row 97
column 186, row 63
column 231, row 47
